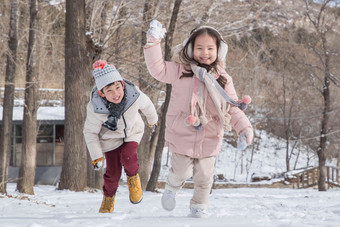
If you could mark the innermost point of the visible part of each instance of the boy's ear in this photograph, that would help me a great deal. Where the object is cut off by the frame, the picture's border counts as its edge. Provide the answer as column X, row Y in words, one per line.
column 101, row 94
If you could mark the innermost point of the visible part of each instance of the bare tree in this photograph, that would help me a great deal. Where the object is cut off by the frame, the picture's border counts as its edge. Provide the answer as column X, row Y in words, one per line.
column 206, row 15
column 6, row 129
column 94, row 178
column 120, row 22
column 73, row 175
column 5, row 7
column 289, row 94
column 147, row 146
column 29, row 129
column 322, row 22
column 161, row 138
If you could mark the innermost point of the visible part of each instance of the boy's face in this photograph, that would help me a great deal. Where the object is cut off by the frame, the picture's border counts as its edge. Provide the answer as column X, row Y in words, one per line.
column 113, row 93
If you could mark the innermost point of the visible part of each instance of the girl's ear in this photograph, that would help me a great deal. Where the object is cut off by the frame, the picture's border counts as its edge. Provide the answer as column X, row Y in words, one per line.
column 101, row 94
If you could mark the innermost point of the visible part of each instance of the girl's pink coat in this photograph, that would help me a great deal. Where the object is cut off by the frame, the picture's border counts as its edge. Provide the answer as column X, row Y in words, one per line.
column 185, row 139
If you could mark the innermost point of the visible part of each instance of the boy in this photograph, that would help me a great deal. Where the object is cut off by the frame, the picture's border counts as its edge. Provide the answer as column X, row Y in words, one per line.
column 113, row 126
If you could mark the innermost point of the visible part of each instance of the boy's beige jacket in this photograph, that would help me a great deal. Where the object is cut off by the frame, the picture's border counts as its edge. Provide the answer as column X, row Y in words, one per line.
column 130, row 125
column 180, row 137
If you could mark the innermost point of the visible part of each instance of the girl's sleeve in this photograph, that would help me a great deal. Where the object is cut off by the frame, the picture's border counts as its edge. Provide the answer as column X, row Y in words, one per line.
column 91, row 131
column 164, row 71
column 239, row 121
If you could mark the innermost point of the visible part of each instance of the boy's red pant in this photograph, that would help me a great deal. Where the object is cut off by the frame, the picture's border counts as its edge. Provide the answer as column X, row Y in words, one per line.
column 125, row 155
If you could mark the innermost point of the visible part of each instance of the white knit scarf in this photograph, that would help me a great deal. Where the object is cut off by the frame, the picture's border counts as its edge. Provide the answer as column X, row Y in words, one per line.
column 197, row 116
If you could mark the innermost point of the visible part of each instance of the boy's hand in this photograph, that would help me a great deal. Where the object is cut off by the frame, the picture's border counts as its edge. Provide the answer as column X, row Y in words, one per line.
column 245, row 139
column 98, row 163
column 156, row 32
column 153, row 127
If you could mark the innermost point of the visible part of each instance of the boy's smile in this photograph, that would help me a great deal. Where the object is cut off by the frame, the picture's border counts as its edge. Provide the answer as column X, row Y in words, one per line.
column 114, row 93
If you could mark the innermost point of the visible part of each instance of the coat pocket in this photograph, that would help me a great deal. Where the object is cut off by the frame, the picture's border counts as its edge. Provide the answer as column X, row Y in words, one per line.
column 176, row 124
column 214, row 128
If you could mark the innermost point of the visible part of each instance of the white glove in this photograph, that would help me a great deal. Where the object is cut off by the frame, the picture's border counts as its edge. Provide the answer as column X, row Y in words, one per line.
column 156, row 31
column 98, row 164
column 245, row 139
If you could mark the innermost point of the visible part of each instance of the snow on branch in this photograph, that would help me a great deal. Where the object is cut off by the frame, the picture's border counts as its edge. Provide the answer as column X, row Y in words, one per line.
column 334, row 79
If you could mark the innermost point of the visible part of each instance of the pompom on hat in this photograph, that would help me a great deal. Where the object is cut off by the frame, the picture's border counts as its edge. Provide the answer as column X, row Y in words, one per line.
column 105, row 74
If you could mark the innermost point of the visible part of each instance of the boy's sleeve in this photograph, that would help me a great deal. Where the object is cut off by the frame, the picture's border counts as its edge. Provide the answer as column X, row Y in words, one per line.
column 148, row 109
column 91, row 131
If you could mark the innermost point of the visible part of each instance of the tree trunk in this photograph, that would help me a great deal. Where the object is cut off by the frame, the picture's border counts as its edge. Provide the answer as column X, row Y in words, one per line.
column 161, row 138
column 322, row 27
column 118, row 44
column 94, row 178
column 29, row 128
column 324, row 123
column 5, row 8
column 74, row 171
column 322, row 146
column 6, row 129
column 146, row 150
column 206, row 15
column 285, row 120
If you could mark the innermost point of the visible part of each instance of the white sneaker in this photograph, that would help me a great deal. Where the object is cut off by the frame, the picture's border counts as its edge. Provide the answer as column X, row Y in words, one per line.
column 196, row 212
column 169, row 200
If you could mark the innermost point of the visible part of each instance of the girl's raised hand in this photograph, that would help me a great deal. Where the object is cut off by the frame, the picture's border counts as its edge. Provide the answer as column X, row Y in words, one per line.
column 156, row 32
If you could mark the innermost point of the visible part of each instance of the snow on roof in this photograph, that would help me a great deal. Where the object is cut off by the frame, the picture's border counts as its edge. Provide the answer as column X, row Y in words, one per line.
column 45, row 113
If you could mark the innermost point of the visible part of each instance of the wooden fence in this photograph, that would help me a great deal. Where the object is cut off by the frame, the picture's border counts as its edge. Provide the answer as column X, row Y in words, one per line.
column 309, row 177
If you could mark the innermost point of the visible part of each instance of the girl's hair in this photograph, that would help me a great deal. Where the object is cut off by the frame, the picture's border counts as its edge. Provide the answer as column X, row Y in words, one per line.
column 185, row 57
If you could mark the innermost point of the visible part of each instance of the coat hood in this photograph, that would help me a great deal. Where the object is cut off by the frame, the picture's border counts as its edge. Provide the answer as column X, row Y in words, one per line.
column 99, row 106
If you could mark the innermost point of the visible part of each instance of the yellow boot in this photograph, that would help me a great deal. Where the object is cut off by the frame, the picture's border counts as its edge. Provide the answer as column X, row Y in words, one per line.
column 135, row 189
column 107, row 205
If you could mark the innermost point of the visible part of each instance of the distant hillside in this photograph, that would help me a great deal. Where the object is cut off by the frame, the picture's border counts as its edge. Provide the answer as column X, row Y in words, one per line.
column 268, row 159
column 245, row 16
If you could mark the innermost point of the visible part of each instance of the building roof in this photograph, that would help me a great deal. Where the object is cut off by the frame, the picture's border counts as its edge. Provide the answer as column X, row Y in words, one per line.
column 45, row 113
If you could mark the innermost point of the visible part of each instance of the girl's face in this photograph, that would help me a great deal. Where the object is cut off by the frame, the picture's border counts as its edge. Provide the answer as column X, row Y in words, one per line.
column 205, row 49
column 114, row 93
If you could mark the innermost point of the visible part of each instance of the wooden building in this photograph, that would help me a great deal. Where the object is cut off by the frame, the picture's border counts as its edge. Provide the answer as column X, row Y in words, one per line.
column 50, row 139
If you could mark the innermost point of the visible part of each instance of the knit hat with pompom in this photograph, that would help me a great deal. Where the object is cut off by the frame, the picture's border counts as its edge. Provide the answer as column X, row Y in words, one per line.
column 105, row 74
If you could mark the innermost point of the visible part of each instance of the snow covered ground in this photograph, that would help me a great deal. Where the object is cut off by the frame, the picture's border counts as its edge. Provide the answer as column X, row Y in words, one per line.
column 229, row 207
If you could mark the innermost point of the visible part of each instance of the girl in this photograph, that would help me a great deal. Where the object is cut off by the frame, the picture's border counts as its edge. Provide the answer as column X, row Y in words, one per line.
column 114, row 127
column 198, row 114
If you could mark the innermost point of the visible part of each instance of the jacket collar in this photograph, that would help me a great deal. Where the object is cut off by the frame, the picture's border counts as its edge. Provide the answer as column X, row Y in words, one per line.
column 99, row 106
